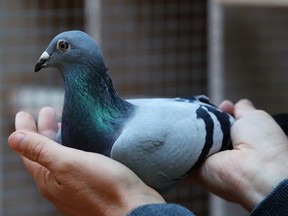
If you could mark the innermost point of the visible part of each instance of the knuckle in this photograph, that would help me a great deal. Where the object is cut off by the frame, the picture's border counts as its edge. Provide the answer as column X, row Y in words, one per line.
column 35, row 151
column 44, row 190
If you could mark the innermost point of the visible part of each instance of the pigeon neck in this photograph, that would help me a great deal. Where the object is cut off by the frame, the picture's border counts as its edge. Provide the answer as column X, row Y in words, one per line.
column 93, row 114
column 94, row 91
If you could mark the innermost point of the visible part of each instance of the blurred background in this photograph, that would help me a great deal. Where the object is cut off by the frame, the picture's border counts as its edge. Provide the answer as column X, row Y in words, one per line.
column 221, row 48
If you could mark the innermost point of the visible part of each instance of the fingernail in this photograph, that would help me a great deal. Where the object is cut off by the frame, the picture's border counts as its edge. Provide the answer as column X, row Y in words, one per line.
column 16, row 140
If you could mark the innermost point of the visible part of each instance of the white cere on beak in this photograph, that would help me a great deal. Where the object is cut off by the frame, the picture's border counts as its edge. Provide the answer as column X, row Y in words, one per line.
column 44, row 56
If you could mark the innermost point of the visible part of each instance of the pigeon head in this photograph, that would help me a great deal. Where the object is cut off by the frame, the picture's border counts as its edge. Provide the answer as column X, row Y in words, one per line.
column 69, row 49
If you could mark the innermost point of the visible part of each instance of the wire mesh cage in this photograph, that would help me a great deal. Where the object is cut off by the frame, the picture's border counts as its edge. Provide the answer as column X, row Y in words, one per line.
column 152, row 48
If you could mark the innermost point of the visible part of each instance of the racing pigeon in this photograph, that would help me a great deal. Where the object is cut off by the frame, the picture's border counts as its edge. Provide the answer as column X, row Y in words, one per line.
column 161, row 139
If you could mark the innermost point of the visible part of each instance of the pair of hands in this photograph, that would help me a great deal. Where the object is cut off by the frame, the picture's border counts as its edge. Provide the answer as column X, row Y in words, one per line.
column 65, row 176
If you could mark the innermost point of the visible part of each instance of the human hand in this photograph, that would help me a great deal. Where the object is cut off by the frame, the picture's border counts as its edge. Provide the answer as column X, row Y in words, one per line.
column 257, row 163
column 76, row 182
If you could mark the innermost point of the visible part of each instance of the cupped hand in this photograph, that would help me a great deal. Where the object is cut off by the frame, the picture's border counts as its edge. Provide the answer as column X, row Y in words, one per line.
column 257, row 162
column 76, row 182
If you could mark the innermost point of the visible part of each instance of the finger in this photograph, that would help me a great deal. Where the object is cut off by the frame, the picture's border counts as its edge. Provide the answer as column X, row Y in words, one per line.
column 44, row 178
column 210, row 173
column 47, row 122
column 57, row 158
column 243, row 107
column 227, row 106
column 25, row 121
column 37, row 171
column 38, row 148
column 44, row 159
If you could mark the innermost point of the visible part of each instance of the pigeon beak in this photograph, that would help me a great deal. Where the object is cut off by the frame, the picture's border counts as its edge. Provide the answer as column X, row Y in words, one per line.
column 42, row 62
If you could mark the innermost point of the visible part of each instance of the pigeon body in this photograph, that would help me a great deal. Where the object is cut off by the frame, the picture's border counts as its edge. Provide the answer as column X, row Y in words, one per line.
column 175, row 139
column 162, row 139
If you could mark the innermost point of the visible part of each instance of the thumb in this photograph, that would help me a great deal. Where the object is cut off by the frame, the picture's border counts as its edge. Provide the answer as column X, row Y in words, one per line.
column 37, row 148
column 243, row 107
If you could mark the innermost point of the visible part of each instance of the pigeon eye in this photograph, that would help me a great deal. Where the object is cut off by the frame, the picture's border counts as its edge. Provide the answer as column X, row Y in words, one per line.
column 63, row 45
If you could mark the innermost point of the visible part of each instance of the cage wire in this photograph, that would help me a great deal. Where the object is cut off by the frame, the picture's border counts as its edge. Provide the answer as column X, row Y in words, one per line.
column 152, row 48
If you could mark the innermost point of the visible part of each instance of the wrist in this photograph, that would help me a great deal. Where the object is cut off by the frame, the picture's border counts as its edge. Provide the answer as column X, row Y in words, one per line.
column 262, row 183
column 144, row 197
column 275, row 203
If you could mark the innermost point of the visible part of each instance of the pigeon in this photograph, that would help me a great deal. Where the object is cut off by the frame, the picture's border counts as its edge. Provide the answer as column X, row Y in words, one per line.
column 161, row 139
